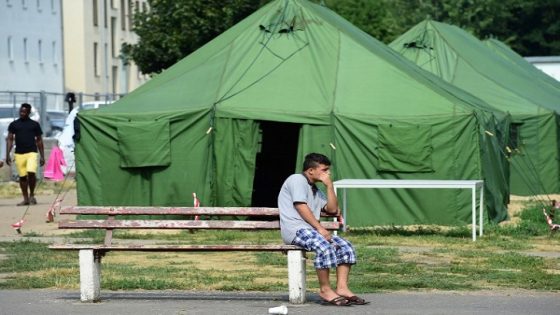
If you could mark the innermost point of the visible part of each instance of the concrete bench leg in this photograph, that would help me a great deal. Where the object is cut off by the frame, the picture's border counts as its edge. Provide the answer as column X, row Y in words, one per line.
column 296, row 276
column 90, row 275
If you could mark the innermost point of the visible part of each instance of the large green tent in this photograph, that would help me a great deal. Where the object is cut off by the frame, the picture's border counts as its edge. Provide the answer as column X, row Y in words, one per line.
column 459, row 58
column 232, row 120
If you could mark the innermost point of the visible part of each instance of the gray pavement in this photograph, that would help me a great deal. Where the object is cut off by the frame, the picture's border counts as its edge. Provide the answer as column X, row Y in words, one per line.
column 184, row 302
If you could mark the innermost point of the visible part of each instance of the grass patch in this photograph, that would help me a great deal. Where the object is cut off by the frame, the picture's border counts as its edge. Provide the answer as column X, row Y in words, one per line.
column 532, row 224
column 389, row 258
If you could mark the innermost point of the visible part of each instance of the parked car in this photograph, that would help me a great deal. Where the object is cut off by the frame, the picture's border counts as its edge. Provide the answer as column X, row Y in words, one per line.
column 55, row 123
column 10, row 112
column 95, row 104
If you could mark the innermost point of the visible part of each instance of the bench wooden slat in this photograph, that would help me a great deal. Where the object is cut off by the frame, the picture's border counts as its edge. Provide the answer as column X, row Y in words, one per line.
column 189, row 211
column 178, row 248
column 178, row 224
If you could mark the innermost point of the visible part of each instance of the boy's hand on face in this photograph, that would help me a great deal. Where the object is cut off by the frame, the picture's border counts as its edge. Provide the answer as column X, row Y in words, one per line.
column 325, row 178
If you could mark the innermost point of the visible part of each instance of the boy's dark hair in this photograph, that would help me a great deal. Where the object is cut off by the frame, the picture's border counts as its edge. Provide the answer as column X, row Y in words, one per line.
column 28, row 106
column 312, row 160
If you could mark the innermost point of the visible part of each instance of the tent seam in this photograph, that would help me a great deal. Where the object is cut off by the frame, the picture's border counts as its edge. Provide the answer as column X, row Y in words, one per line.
column 256, row 58
column 223, row 74
column 335, row 88
column 332, row 114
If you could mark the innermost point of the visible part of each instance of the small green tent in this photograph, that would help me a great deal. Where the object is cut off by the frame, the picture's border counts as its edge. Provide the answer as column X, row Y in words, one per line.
column 459, row 58
column 232, row 120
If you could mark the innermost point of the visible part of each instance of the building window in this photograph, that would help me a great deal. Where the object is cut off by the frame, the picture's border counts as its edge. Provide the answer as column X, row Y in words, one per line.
column 114, row 4
column 95, row 13
column 113, row 37
column 130, row 15
column 54, row 53
column 123, row 15
column 105, row 15
column 144, row 7
column 53, row 6
column 10, row 49
column 40, row 51
column 24, row 4
column 9, row 3
column 39, row 6
column 96, row 59
column 25, row 54
column 106, row 60
column 115, row 73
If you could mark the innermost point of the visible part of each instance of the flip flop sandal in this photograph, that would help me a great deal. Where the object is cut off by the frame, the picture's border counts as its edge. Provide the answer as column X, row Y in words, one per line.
column 32, row 201
column 337, row 301
column 355, row 300
column 23, row 203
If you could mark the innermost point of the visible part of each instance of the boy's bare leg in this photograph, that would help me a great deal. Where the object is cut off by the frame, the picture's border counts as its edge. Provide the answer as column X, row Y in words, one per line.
column 32, row 179
column 342, row 272
column 326, row 292
column 23, row 184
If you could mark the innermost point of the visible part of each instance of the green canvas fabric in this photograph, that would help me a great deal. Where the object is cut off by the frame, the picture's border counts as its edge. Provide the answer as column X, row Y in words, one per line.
column 132, row 137
column 235, row 150
column 405, row 148
column 536, row 156
column 461, row 59
column 315, row 138
column 514, row 58
column 104, row 182
column 442, row 48
column 454, row 156
column 298, row 62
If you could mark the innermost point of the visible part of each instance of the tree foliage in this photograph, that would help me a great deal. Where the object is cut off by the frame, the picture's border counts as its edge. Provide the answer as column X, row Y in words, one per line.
column 531, row 27
column 172, row 29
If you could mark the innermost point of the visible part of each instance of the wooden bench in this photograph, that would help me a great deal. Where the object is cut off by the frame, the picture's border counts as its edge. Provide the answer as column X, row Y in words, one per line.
column 220, row 219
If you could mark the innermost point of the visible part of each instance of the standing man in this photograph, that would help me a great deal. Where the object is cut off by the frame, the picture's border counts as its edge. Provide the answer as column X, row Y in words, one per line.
column 300, row 203
column 28, row 139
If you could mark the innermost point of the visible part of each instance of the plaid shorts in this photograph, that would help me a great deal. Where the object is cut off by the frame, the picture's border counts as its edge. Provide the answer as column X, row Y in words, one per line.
column 327, row 255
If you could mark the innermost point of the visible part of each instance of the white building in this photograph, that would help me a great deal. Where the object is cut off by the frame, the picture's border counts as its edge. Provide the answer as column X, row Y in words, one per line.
column 549, row 65
column 31, row 46
column 94, row 32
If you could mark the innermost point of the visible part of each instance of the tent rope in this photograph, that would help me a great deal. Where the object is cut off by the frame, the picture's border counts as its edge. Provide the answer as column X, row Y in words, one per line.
column 516, row 163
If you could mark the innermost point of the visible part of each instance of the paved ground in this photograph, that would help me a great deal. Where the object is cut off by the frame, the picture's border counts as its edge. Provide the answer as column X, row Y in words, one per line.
column 177, row 302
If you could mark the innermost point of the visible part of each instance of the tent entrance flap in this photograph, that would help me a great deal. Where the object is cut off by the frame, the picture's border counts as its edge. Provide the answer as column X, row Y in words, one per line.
column 276, row 160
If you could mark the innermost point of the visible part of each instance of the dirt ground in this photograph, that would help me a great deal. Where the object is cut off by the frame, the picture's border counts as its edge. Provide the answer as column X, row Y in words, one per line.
column 34, row 219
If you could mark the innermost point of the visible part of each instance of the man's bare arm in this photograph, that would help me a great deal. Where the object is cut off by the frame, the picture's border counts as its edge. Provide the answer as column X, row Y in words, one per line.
column 307, row 215
column 40, row 146
column 332, row 202
column 9, row 144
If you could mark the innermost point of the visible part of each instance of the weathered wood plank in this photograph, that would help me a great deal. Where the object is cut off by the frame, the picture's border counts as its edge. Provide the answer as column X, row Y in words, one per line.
column 217, row 211
column 189, row 211
column 178, row 248
column 178, row 224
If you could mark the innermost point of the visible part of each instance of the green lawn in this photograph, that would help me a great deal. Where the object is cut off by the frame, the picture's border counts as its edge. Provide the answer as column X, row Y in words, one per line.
column 389, row 258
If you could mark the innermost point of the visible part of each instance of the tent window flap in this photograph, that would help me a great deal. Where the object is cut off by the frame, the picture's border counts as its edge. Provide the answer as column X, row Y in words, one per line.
column 405, row 149
column 144, row 144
